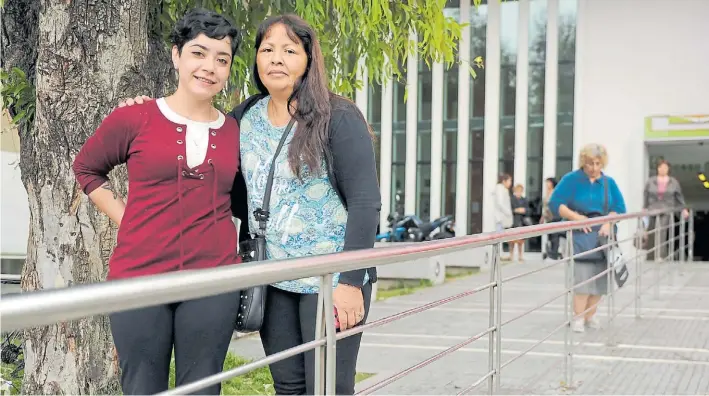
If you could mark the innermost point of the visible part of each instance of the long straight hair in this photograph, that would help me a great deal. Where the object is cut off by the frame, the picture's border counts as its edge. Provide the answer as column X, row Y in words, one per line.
column 313, row 109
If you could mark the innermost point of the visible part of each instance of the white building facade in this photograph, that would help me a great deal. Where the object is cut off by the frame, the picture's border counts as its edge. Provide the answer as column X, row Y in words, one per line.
column 557, row 74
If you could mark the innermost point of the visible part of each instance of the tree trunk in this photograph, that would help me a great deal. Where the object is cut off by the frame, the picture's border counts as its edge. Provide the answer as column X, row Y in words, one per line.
column 89, row 55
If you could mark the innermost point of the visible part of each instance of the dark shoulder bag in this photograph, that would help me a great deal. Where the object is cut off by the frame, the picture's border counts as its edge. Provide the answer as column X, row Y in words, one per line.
column 253, row 299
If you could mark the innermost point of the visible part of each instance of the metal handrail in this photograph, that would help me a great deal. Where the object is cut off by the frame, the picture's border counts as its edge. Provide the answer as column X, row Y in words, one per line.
column 48, row 307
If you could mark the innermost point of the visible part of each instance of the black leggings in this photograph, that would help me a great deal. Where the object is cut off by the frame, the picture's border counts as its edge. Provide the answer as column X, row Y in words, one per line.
column 199, row 330
column 290, row 321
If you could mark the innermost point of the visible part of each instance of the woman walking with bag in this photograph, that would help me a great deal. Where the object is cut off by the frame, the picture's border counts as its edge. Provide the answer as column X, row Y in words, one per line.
column 582, row 194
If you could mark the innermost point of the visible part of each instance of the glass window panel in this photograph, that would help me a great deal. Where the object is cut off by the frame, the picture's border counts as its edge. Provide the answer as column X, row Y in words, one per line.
column 374, row 103
column 425, row 91
column 509, row 22
column 475, row 196
column 534, row 178
column 507, row 143
column 536, row 89
column 508, row 90
column 563, row 166
column 477, row 144
column 537, row 32
column 448, row 188
column 567, row 30
column 567, row 72
column 450, row 94
column 423, row 191
column 424, row 146
column 507, row 166
column 399, row 146
column 535, row 141
column 399, row 104
column 478, row 36
column 398, row 178
column 565, row 140
column 450, row 145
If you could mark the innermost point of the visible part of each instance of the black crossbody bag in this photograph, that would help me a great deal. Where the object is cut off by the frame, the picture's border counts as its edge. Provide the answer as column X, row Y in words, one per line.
column 253, row 299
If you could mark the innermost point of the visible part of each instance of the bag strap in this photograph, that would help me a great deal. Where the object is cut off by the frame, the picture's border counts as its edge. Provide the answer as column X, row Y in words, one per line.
column 605, row 196
column 262, row 214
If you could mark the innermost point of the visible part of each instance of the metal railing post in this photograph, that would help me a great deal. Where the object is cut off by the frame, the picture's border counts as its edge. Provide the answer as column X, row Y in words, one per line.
column 494, row 263
column 610, row 276
column 568, row 303
column 683, row 240
column 325, row 360
column 690, row 242
column 638, row 266
column 657, row 255
column 330, row 333
column 319, row 380
column 498, row 327
column 671, row 249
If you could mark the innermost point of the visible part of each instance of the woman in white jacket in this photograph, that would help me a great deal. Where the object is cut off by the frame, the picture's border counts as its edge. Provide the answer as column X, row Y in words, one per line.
column 503, row 206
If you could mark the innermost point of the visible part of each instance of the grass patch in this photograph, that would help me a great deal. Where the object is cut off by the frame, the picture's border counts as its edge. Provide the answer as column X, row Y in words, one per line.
column 402, row 288
column 257, row 382
column 10, row 379
column 460, row 273
column 359, row 377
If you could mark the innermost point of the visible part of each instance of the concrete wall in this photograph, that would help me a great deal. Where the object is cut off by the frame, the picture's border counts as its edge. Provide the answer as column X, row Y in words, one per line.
column 636, row 59
column 433, row 268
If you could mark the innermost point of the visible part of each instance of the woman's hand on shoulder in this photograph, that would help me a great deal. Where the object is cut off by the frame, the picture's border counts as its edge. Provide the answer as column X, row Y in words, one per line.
column 137, row 100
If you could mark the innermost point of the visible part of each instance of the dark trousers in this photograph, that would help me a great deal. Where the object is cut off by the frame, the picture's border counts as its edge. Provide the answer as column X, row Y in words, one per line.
column 290, row 321
column 199, row 330
column 553, row 247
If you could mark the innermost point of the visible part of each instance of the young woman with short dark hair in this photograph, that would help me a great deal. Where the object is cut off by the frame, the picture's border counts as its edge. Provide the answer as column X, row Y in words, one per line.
column 182, row 159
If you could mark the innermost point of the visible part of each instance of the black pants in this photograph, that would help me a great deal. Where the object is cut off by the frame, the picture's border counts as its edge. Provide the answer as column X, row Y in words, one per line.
column 290, row 321
column 199, row 330
column 553, row 247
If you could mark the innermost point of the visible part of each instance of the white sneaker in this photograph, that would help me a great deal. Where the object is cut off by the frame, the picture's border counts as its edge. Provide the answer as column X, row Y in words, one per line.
column 577, row 325
column 593, row 323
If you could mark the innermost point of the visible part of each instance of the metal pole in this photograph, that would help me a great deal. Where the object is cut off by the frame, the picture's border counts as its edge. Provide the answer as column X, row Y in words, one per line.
column 611, row 280
column 690, row 242
column 498, row 326
column 319, row 383
column 330, row 331
column 494, row 262
column 671, row 249
column 568, row 304
column 683, row 239
column 638, row 266
column 657, row 255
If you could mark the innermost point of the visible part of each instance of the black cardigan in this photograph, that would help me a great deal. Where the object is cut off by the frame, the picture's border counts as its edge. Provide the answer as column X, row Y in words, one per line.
column 353, row 174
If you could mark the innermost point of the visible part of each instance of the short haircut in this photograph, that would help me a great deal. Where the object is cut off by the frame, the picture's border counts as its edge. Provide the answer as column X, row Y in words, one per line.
column 503, row 177
column 593, row 151
column 201, row 21
column 519, row 187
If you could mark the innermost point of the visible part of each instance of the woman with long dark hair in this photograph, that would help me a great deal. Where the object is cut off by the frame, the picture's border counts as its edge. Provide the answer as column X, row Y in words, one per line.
column 311, row 213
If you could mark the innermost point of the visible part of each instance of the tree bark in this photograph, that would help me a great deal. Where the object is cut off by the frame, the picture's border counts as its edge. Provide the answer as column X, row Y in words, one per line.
column 89, row 55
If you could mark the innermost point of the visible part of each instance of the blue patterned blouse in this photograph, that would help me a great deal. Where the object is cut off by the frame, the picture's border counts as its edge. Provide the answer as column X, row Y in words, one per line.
column 307, row 217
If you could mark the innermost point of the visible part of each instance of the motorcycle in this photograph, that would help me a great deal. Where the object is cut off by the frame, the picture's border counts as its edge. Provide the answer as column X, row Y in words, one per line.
column 396, row 233
column 440, row 228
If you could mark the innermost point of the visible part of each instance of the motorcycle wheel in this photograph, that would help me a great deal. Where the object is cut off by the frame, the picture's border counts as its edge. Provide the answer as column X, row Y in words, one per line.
column 443, row 235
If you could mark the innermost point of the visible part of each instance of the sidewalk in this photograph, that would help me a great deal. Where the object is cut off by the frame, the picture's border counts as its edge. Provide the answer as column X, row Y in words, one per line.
column 664, row 352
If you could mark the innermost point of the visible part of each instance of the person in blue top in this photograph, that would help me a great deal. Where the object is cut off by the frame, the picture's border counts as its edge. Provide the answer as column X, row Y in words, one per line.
column 581, row 194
